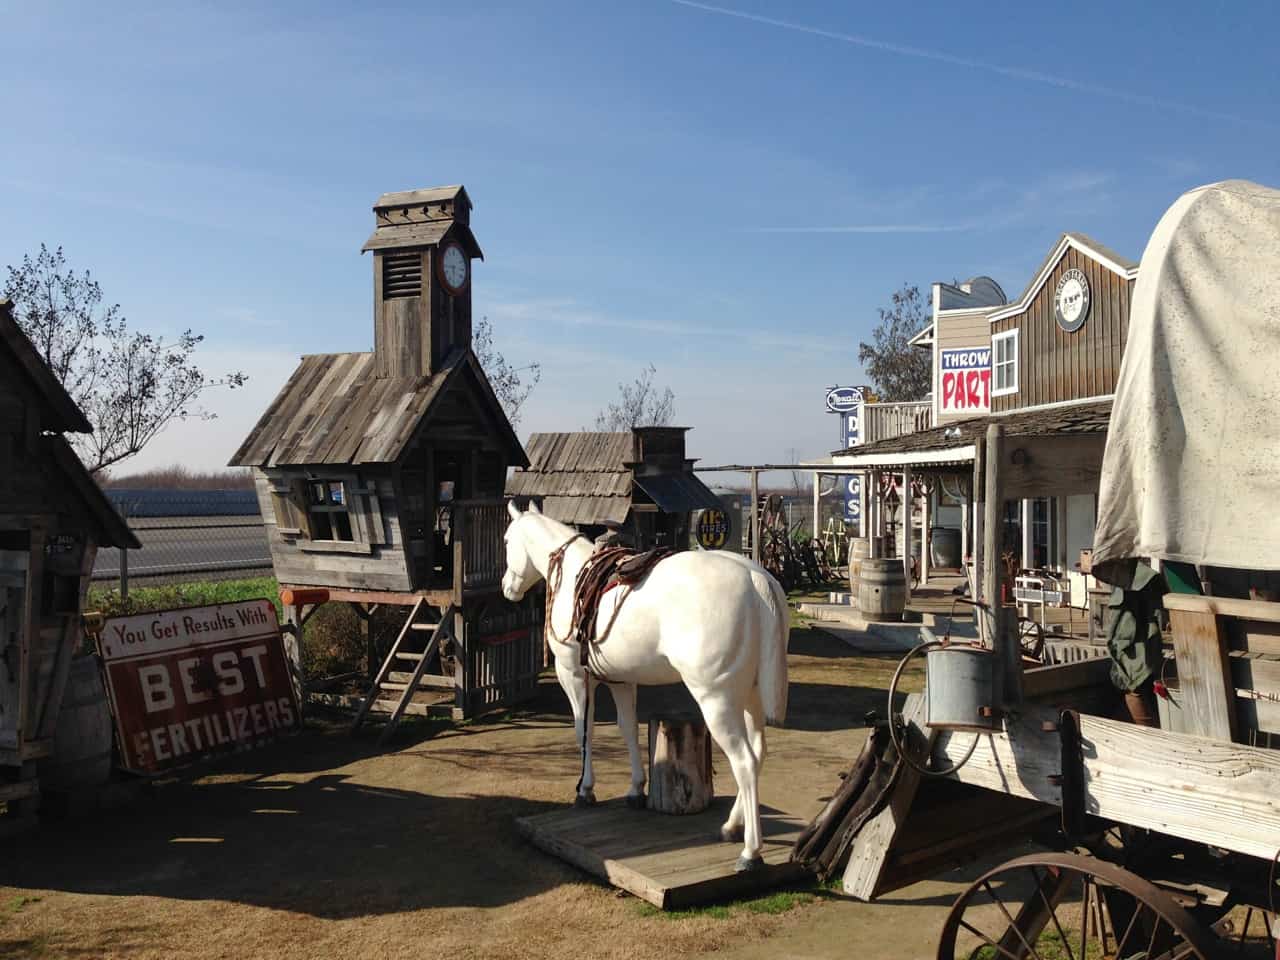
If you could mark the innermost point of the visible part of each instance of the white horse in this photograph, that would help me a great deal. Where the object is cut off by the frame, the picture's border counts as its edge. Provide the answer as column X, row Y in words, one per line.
column 717, row 621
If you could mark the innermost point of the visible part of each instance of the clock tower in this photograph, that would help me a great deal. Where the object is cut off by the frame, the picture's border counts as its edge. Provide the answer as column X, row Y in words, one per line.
column 422, row 251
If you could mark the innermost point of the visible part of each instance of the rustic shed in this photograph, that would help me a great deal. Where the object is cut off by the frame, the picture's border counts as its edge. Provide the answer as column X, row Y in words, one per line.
column 53, row 517
column 380, row 475
column 639, row 480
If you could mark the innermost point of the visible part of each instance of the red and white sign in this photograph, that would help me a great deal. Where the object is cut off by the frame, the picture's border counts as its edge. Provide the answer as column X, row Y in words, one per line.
column 196, row 681
column 964, row 380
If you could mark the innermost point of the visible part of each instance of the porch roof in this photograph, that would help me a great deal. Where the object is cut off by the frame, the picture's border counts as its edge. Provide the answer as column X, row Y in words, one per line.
column 952, row 444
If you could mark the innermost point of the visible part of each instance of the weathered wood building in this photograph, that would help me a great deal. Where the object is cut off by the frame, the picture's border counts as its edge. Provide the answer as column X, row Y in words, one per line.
column 380, row 475
column 640, row 481
column 1042, row 365
column 53, row 518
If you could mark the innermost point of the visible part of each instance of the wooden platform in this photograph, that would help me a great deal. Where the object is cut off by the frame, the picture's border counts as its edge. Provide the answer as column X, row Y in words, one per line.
column 672, row 862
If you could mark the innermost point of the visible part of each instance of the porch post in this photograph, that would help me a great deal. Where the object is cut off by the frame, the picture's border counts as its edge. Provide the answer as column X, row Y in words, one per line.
column 755, row 515
column 925, row 538
column 1027, row 552
column 907, row 505
column 816, row 478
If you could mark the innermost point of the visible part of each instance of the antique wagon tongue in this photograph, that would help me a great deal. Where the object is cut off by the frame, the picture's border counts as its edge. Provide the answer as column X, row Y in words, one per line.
column 422, row 250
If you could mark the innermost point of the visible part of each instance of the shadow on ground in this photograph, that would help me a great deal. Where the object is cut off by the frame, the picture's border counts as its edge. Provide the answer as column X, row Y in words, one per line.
column 250, row 831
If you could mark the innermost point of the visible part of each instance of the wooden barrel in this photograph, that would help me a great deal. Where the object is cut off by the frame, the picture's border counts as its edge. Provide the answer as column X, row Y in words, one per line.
column 882, row 589
column 82, row 744
column 859, row 550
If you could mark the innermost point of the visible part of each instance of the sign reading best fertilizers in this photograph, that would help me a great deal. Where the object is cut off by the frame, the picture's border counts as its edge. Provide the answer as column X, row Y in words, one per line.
column 192, row 682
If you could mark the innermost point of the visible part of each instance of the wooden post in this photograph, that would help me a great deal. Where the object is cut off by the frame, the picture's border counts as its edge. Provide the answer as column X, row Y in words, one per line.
column 865, row 528
column 908, row 502
column 755, row 515
column 679, row 764
column 1008, row 685
column 817, row 532
column 925, row 538
column 977, row 499
column 366, row 638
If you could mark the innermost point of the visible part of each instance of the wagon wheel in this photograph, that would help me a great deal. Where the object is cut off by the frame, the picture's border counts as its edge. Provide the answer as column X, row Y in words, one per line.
column 1060, row 905
column 1031, row 638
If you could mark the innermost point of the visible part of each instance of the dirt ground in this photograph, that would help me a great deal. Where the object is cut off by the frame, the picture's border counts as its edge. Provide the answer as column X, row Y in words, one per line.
column 323, row 845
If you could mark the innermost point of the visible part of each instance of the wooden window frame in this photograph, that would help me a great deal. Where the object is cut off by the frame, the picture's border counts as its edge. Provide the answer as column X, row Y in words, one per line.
column 1009, row 336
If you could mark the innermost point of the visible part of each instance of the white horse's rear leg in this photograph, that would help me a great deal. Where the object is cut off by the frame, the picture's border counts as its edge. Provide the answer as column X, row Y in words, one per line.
column 753, row 716
column 728, row 726
column 624, row 700
column 575, row 687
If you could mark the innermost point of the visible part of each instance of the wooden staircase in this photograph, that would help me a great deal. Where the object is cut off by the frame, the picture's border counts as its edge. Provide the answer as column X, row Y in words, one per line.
column 404, row 672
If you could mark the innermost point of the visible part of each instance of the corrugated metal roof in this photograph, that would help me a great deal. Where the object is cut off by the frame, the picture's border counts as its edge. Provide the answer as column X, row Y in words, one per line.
column 335, row 410
column 678, row 492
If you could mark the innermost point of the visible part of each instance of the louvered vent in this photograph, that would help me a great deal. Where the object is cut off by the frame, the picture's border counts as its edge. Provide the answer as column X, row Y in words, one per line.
column 401, row 275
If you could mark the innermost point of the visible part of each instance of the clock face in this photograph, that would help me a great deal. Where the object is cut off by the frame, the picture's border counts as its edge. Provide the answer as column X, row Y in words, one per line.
column 1071, row 301
column 453, row 267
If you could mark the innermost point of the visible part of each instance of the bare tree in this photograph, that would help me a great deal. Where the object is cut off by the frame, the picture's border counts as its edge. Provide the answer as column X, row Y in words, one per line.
column 130, row 385
column 899, row 371
column 512, row 384
column 639, row 404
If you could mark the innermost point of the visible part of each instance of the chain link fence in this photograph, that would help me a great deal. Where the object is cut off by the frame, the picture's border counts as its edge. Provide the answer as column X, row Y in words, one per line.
column 186, row 535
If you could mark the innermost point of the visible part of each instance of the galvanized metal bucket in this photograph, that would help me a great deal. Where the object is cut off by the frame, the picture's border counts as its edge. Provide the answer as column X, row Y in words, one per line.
column 960, row 687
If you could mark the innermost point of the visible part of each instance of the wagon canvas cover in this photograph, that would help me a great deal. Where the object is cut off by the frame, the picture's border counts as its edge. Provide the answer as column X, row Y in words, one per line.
column 1192, row 464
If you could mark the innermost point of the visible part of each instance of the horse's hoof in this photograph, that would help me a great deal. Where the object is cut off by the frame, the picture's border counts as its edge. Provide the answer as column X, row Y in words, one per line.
column 587, row 799
column 731, row 835
column 747, row 864
column 636, row 801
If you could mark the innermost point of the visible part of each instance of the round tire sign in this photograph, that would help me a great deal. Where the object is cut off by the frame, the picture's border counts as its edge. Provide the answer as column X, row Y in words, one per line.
column 712, row 530
column 1071, row 300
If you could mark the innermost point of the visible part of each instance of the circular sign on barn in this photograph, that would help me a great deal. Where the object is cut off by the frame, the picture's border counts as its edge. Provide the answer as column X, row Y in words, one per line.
column 712, row 530
column 1071, row 300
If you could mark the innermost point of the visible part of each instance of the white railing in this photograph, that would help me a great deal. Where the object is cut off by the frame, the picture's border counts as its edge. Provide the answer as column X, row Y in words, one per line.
column 881, row 421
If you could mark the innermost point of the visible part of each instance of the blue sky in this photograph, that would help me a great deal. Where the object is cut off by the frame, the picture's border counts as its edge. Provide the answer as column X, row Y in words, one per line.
column 726, row 190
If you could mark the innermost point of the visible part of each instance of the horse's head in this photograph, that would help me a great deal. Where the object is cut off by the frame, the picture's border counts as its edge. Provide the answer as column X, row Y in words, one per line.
column 521, row 573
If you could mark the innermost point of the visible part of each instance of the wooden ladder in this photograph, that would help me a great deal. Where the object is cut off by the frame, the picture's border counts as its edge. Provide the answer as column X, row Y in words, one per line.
column 392, row 680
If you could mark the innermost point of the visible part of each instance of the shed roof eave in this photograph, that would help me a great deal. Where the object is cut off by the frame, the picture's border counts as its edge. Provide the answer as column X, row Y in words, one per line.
column 938, row 457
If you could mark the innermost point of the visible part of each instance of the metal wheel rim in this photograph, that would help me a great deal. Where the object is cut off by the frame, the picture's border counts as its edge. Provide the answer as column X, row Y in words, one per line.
column 1196, row 941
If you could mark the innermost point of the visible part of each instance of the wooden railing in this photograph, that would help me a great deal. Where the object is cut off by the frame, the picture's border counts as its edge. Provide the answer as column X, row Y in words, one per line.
column 881, row 421
column 479, row 556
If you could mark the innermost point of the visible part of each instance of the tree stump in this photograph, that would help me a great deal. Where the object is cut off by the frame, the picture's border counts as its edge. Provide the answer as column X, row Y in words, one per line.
column 679, row 764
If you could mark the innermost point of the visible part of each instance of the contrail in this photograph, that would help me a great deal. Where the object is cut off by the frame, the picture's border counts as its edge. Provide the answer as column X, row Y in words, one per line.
column 1019, row 73
column 871, row 228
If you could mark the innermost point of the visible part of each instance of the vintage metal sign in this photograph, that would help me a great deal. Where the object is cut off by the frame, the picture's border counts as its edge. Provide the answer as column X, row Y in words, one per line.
column 843, row 399
column 196, row 681
column 712, row 529
column 1071, row 300
column 964, row 380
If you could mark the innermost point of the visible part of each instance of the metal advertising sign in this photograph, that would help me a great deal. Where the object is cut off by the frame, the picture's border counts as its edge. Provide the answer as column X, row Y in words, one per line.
column 843, row 399
column 712, row 529
column 965, row 380
column 195, row 681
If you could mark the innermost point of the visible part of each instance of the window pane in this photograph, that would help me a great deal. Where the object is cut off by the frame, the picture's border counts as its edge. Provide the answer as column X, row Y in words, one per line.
column 342, row 526
column 321, row 528
column 318, row 493
column 335, row 492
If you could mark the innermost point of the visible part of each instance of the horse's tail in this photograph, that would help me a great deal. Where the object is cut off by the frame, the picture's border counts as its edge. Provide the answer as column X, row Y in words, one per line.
column 773, row 649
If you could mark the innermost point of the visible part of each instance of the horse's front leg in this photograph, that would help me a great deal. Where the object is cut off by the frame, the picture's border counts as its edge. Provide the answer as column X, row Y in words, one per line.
column 577, row 685
column 624, row 700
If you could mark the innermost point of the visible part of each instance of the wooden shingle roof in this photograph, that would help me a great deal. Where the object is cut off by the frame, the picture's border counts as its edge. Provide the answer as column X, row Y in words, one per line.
column 336, row 410
column 580, row 477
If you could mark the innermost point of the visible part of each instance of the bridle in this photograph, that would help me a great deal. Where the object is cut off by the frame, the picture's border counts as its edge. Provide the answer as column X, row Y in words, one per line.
column 555, row 576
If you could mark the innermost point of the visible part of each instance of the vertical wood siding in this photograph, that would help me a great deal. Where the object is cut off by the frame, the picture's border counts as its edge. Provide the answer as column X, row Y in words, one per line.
column 1053, row 365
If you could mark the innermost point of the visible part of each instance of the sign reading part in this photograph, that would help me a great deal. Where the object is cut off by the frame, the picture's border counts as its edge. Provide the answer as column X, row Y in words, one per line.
column 965, row 380
column 196, row 681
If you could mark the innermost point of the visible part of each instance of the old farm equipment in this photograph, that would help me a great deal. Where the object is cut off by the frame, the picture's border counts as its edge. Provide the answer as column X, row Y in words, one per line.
column 380, row 477
column 1163, row 834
